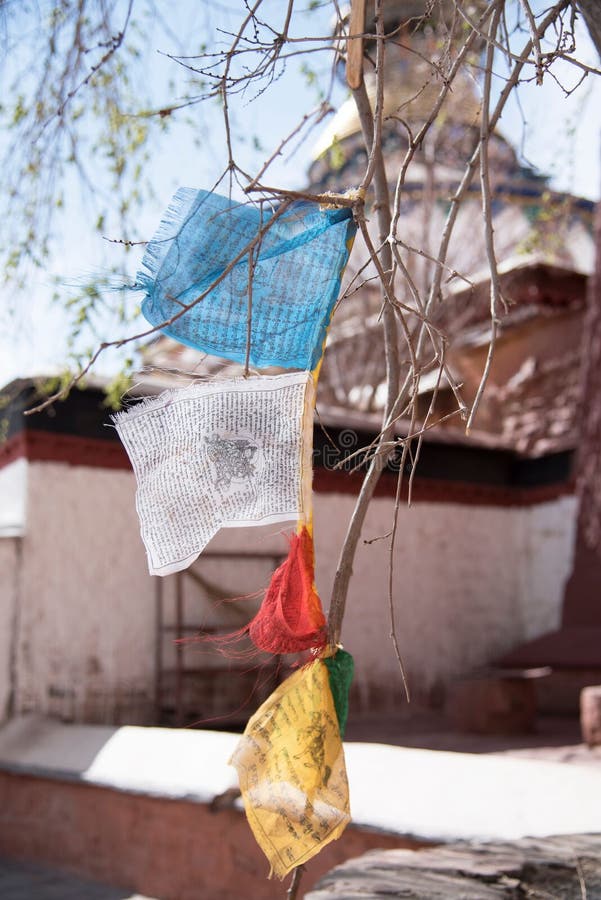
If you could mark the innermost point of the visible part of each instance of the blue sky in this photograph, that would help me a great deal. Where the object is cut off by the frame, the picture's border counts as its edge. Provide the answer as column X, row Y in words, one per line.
column 559, row 135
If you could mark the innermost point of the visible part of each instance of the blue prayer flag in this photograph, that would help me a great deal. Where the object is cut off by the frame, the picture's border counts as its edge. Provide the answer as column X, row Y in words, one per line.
column 298, row 265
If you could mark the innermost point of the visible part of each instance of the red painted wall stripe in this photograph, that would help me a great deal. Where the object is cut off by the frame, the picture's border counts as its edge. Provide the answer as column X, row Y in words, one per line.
column 43, row 446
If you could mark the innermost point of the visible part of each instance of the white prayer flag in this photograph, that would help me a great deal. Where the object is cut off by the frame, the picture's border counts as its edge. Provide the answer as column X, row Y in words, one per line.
column 215, row 455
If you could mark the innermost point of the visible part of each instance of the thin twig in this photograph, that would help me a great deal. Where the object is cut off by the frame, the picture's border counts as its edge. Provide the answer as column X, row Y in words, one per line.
column 432, row 332
column 538, row 56
column 417, row 140
column 121, row 342
column 495, row 287
column 297, row 874
column 317, row 114
column 326, row 199
column 391, row 548
column 378, row 170
column 253, row 258
column 114, row 45
column 466, row 180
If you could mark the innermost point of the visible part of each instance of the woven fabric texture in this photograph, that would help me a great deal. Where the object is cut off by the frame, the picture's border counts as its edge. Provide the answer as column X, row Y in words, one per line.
column 341, row 668
column 298, row 264
column 291, row 618
column 292, row 772
column 214, row 455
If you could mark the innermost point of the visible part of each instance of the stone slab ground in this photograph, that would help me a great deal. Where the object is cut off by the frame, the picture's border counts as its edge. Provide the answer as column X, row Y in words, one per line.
column 560, row 868
column 31, row 881
column 156, row 810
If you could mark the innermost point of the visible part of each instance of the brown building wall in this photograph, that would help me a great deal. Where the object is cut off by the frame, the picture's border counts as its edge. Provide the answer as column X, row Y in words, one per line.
column 170, row 849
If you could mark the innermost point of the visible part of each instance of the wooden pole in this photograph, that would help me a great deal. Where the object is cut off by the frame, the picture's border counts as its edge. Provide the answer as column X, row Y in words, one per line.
column 354, row 48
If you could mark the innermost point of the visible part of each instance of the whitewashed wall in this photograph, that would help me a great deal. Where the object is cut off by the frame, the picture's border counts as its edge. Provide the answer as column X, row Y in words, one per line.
column 470, row 583
column 13, row 498
column 87, row 623
column 9, row 592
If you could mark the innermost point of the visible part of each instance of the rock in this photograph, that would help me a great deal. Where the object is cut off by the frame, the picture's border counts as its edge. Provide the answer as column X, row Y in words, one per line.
column 557, row 868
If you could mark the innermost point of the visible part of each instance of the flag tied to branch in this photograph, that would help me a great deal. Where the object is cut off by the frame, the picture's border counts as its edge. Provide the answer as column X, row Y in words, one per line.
column 196, row 269
column 215, row 455
column 291, row 617
column 291, row 769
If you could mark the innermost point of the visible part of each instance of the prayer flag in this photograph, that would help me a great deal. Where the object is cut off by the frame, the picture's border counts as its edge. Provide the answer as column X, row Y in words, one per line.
column 290, row 764
column 298, row 258
column 218, row 454
column 341, row 668
column 291, row 617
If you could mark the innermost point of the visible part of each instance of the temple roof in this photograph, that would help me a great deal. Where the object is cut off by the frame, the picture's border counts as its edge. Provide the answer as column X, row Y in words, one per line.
column 543, row 244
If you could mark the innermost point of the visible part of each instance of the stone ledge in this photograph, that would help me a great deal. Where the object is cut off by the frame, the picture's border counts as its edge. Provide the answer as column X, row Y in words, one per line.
column 561, row 867
column 430, row 795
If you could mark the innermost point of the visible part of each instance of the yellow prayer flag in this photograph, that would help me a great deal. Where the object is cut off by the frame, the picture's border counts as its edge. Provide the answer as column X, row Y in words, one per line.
column 290, row 764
